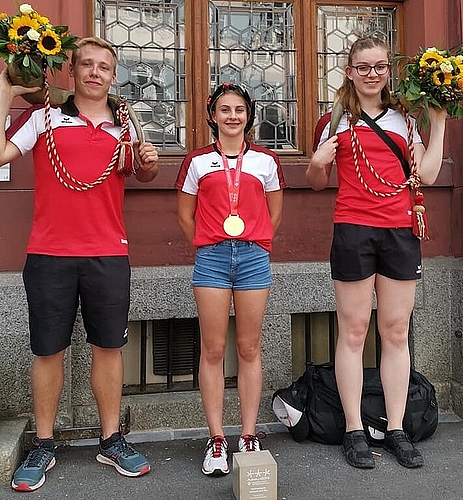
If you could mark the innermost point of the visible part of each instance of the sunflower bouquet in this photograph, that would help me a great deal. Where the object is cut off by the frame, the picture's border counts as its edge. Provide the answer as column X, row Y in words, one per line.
column 432, row 78
column 29, row 42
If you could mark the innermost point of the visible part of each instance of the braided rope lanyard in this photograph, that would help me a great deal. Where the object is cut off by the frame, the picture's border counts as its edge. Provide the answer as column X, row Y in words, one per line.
column 420, row 227
column 60, row 170
column 412, row 181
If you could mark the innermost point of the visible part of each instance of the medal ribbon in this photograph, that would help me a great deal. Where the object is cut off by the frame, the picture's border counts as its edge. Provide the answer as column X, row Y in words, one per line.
column 233, row 186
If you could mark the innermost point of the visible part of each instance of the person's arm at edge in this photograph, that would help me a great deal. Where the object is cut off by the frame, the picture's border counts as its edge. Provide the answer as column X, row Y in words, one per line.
column 275, row 207
column 186, row 208
column 146, row 156
column 429, row 160
column 318, row 171
column 8, row 151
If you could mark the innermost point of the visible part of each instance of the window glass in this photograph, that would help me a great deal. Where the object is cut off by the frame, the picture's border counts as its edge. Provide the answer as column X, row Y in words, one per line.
column 337, row 29
column 149, row 38
column 252, row 44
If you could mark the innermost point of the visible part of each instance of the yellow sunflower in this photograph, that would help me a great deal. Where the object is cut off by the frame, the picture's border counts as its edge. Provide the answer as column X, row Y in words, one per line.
column 49, row 43
column 3, row 15
column 441, row 78
column 430, row 59
column 21, row 25
column 457, row 62
column 41, row 19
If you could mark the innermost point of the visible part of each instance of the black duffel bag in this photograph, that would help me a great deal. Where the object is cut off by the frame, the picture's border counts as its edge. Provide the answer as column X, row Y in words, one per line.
column 311, row 407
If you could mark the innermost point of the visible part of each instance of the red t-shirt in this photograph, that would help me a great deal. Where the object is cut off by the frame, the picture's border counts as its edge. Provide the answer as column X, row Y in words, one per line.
column 202, row 174
column 67, row 222
column 354, row 203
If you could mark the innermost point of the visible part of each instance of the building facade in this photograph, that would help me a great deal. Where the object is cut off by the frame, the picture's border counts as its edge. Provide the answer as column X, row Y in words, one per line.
column 290, row 56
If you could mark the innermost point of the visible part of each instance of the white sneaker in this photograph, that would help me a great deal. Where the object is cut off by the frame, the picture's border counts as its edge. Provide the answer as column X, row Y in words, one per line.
column 249, row 442
column 216, row 457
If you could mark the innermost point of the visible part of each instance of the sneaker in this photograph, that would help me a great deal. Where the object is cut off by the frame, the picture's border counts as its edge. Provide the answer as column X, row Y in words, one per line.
column 30, row 475
column 357, row 451
column 249, row 442
column 398, row 443
column 216, row 456
column 117, row 452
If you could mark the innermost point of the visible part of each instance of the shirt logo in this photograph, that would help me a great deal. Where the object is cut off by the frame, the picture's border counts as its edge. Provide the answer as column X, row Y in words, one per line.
column 124, row 241
column 215, row 164
column 418, row 269
column 66, row 119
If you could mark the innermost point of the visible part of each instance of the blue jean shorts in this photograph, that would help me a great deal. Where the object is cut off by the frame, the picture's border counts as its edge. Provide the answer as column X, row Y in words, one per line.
column 232, row 264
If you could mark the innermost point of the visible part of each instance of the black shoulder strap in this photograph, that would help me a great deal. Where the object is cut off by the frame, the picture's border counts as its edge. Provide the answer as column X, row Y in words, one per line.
column 388, row 140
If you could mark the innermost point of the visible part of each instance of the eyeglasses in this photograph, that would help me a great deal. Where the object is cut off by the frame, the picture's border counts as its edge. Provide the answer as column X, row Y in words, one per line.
column 365, row 70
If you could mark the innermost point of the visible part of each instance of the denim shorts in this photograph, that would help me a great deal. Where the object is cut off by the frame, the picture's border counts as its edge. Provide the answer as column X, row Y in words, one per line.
column 232, row 264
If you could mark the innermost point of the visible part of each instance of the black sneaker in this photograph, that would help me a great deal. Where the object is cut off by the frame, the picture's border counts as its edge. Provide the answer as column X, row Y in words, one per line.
column 398, row 443
column 30, row 475
column 356, row 450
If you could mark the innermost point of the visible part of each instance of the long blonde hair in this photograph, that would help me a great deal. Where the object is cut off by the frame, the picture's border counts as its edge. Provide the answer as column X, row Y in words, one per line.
column 347, row 94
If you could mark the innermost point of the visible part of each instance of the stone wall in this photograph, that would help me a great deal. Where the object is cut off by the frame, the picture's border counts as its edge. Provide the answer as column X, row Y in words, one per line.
column 165, row 292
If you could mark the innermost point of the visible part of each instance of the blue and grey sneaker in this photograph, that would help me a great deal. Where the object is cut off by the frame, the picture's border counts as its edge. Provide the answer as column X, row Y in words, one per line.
column 117, row 452
column 30, row 475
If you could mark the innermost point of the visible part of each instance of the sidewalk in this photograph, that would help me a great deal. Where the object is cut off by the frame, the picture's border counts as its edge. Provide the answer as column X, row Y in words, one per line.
column 306, row 471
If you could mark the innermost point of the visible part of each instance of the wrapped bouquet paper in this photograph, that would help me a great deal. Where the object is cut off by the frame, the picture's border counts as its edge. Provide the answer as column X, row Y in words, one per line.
column 433, row 77
column 29, row 44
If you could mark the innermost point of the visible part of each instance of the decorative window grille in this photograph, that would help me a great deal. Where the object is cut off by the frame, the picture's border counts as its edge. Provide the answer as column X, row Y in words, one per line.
column 252, row 44
column 314, row 337
column 337, row 29
column 149, row 39
column 163, row 355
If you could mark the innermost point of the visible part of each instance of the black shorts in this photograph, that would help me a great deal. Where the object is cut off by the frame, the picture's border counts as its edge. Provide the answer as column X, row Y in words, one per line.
column 358, row 252
column 54, row 286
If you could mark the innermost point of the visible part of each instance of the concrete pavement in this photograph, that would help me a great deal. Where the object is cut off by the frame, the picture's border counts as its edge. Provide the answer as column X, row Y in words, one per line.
column 306, row 471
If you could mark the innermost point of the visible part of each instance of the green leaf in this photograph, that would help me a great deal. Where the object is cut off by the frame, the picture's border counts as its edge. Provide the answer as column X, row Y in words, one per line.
column 60, row 29
column 414, row 87
column 36, row 70
column 412, row 96
column 26, row 61
column 434, row 102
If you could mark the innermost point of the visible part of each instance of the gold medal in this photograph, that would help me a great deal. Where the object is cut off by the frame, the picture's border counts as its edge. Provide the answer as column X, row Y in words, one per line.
column 233, row 225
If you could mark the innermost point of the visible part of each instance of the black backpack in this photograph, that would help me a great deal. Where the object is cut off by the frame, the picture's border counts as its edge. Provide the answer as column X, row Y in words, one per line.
column 421, row 413
column 323, row 408
column 310, row 407
column 323, row 420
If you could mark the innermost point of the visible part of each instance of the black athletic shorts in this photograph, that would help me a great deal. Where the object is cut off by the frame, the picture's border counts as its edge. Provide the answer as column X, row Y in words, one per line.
column 358, row 252
column 54, row 286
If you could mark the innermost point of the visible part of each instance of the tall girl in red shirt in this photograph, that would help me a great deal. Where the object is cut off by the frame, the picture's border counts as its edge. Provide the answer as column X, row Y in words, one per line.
column 373, row 249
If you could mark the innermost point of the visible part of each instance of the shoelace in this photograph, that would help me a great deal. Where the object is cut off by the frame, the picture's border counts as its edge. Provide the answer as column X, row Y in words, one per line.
column 123, row 447
column 217, row 443
column 403, row 442
column 36, row 457
column 252, row 442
